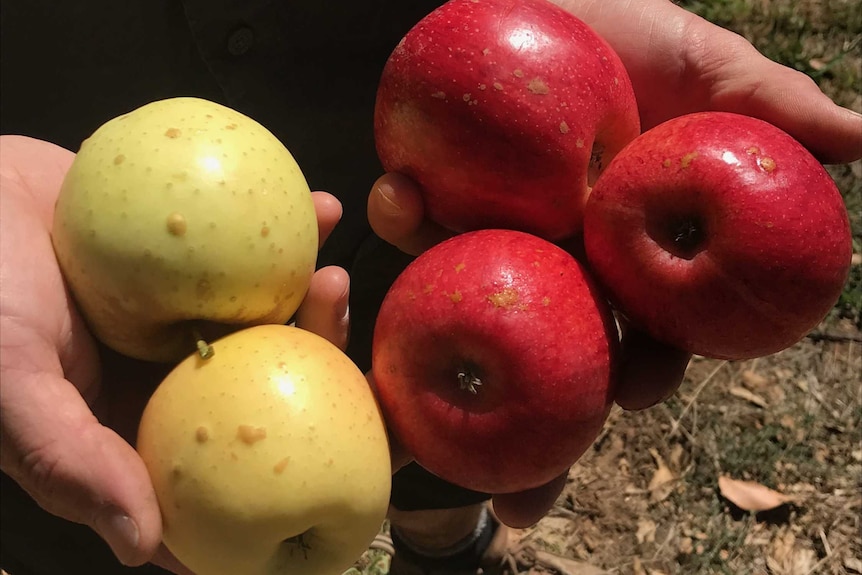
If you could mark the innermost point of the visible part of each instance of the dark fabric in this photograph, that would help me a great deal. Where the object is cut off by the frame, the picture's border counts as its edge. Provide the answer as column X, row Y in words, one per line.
column 307, row 70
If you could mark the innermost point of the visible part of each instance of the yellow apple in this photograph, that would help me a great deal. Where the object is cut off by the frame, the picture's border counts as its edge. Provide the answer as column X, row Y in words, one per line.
column 268, row 458
column 183, row 211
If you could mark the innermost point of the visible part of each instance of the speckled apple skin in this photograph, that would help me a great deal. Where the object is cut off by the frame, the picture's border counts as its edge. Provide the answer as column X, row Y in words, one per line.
column 522, row 315
column 277, row 434
column 494, row 107
column 183, row 210
column 776, row 243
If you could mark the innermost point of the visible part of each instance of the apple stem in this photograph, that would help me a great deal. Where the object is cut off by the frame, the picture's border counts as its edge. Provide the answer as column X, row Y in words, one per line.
column 205, row 350
column 468, row 381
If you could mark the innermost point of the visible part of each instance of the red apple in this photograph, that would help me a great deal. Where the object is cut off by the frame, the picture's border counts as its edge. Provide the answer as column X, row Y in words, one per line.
column 493, row 355
column 503, row 111
column 719, row 234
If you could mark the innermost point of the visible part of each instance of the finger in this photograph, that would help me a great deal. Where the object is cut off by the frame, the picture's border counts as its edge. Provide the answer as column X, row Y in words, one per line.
column 747, row 83
column 650, row 371
column 329, row 211
column 526, row 508
column 397, row 215
column 166, row 560
column 325, row 309
column 74, row 467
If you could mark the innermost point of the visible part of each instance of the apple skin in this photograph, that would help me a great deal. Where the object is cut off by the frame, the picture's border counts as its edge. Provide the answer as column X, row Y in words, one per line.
column 503, row 111
column 181, row 211
column 277, row 434
column 524, row 317
column 719, row 234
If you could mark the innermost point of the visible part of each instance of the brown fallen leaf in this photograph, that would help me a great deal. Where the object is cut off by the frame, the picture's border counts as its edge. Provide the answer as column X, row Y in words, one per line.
column 748, row 396
column 750, row 496
column 661, row 485
column 563, row 565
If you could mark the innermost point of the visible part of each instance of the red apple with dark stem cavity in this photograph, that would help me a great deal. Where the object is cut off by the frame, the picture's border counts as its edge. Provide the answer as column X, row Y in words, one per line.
column 494, row 359
column 719, row 234
column 503, row 111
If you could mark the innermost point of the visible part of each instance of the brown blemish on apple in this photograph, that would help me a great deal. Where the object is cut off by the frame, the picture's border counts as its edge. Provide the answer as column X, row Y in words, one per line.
column 767, row 164
column 460, row 267
column 537, row 86
column 666, row 163
column 230, row 126
column 564, row 128
column 580, row 143
column 687, row 159
column 204, row 290
column 202, row 434
column 455, row 296
column 439, row 95
column 176, row 224
column 279, row 467
column 483, row 87
column 498, row 86
column 173, row 133
column 506, row 298
column 429, row 288
column 753, row 150
column 546, row 301
column 250, row 434
column 518, row 73
column 264, row 231
column 466, row 97
column 119, row 159
column 485, row 51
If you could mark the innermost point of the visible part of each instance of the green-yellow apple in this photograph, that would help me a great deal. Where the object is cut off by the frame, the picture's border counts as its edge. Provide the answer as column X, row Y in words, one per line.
column 270, row 457
column 179, row 212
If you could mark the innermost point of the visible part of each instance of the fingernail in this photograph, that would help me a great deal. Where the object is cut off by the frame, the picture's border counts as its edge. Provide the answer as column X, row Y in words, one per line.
column 120, row 531
column 388, row 205
column 342, row 309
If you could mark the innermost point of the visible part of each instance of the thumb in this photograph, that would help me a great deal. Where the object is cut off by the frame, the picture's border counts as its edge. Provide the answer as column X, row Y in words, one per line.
column 791, row 100
column 74, row 467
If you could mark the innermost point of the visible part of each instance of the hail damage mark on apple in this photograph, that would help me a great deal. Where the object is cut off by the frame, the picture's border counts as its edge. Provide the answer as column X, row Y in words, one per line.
column 176, row 224
column 505, row 298
column 767, row 164
column 119, row 159
column 455, row 296
column 538, row 86
column 460, row 267
column 564, row 128
column 687, row 159
column 202, row 434
column 173, row 133
column 250, row 434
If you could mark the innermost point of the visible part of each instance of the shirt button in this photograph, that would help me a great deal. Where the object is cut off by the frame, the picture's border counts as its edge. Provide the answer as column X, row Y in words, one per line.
column 240, row 41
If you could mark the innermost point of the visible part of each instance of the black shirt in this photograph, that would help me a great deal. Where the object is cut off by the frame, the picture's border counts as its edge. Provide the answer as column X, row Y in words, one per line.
column 305, row 69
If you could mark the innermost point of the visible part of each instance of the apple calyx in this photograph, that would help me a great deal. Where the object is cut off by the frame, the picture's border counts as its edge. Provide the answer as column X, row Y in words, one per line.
column 469, row 381
column 298, row 542
column 681, row 234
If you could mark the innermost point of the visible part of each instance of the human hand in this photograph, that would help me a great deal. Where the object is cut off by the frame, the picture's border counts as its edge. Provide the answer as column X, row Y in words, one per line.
column 70, row 408
column 679, row 63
